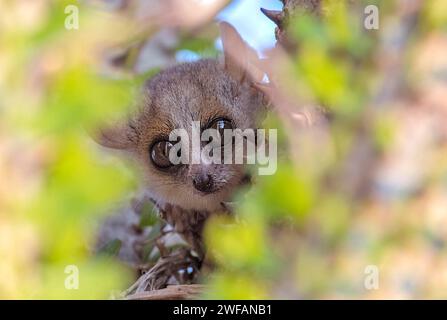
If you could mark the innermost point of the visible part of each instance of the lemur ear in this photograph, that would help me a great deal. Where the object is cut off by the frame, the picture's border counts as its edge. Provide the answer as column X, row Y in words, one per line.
column 241, row 61
column 113, row 137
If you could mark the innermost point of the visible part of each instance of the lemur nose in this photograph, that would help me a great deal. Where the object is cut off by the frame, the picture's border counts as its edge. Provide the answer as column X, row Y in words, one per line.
column 203, row 183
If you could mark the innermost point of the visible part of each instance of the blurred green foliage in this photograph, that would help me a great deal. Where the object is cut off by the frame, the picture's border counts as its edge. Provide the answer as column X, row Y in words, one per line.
column 300, row 233
column 52, row 95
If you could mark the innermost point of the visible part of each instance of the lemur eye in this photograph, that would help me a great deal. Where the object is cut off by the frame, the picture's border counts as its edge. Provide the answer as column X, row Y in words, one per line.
column 160, row 154
column 221, row 125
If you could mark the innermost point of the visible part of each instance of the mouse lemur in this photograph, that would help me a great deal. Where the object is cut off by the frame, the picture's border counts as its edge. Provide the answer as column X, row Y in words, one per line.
column 220, row 95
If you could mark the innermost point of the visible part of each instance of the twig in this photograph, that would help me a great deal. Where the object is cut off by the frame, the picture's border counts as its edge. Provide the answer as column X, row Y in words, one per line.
column 182, row 292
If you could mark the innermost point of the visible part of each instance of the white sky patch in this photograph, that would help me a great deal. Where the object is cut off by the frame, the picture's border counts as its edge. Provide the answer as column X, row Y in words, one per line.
column 186, row 56
column 254, row 27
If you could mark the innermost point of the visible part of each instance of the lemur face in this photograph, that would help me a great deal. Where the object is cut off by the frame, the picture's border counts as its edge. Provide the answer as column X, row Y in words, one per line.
column 212, row 94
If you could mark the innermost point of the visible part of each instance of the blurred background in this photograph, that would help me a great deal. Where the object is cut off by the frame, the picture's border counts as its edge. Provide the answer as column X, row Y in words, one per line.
column 357, row 208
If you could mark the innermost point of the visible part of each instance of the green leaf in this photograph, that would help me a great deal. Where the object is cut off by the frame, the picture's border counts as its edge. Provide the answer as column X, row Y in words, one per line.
column 148, row 217
column 111, row 249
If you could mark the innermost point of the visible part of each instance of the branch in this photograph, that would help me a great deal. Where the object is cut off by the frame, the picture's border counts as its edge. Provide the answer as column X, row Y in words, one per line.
column 177, row 292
